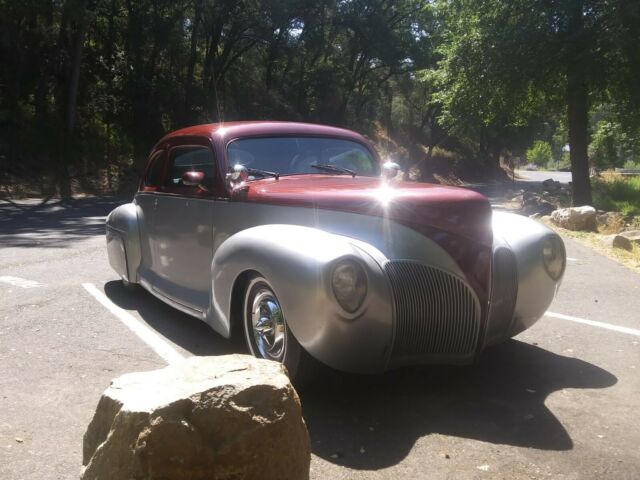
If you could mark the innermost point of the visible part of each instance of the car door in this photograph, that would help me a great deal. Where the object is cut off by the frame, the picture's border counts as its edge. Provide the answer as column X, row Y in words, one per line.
column 146, row 200
column 182, row 226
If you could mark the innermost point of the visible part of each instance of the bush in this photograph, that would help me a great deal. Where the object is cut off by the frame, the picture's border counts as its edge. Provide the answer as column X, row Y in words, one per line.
column 617, row 193
column 631, row 165
column 564, row 165
column 540, row 153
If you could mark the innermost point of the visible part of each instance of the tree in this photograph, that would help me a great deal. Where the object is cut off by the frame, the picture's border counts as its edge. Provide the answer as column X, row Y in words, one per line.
column 99, row 81
column 540, row 153
column 506, row 62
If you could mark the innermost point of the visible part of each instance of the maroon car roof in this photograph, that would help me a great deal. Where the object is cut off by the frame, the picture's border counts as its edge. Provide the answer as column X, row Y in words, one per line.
column 257, row 128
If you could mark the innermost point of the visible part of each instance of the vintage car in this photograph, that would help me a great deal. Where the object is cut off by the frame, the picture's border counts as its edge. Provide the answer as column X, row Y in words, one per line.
column 297, row 237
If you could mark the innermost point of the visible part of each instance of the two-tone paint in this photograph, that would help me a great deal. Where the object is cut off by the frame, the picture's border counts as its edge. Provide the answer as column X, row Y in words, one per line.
column 195, row 250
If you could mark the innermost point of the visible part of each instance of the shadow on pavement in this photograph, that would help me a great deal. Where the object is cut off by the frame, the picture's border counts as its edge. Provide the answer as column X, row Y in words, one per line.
column 498, row 400
column 188, row 332
column 55, row 223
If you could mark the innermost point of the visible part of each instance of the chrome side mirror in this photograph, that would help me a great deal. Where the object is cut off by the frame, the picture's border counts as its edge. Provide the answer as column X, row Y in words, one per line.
column 238, row 174
column 390, row 170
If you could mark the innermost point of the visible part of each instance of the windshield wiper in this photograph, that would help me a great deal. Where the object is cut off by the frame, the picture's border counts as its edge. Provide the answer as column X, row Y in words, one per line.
column 333, row 168
column 264, row 173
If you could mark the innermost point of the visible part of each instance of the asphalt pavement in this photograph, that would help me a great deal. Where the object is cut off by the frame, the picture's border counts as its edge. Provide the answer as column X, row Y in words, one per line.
column 541, row 176
column 561, row 400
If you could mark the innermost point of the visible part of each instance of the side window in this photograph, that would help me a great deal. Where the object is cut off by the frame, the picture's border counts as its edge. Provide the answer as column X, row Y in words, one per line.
column 186, row 159
column 154, row 173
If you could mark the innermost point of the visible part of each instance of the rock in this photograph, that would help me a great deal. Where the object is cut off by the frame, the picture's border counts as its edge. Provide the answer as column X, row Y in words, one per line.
column 611, row 221
column 546, row 208
column 632, row 235
column 542, row 208
column 535, row 215
column 575, row 218
column 225, row 417
column 616, row 241
column 535, row 204
column 550, row 185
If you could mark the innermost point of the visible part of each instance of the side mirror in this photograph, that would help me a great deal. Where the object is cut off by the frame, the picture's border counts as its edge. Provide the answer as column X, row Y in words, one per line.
column 238, row 174
column 390, row 170
column 192, row 179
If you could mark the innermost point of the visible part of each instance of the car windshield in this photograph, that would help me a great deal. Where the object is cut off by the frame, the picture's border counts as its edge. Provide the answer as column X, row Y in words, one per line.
column 300, row 155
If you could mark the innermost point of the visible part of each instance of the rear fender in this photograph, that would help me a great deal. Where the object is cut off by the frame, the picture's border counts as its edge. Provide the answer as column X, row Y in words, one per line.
column 123, row 241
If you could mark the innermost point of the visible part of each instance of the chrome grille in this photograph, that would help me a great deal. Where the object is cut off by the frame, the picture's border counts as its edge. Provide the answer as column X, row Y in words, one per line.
column 504, row 292
column 437, row 315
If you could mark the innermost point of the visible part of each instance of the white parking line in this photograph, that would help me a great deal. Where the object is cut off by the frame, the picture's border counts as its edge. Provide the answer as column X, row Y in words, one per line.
column 146, row 334
column 571, row 259
column 20, row 282
column 593, row 323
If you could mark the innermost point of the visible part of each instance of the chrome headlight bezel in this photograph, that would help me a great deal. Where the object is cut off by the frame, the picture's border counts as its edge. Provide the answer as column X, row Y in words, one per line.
column 553, row 257
column 349, row 284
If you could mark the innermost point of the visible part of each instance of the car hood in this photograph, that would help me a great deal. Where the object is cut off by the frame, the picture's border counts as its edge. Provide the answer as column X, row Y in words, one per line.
column 420, row 206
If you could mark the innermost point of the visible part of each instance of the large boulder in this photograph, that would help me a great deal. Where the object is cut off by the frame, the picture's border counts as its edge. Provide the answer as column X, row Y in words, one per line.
column 575, row 218
column 227, row 417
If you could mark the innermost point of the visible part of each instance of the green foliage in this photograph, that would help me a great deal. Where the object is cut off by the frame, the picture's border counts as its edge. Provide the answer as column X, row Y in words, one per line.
column 613, row 145
column 505, row 64
column 97, row 83
column 617, row 194
column 540, row 153
column 630, row 164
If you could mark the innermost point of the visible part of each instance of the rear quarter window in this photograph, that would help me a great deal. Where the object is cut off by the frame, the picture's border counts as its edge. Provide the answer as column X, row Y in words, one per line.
column 153, row 177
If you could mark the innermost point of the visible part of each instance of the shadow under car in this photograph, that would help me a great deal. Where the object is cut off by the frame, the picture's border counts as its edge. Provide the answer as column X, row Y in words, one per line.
column 500, row 399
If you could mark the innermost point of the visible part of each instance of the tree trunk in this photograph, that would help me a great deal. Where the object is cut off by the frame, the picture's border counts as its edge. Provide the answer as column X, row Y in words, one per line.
column 76, row 63
column 193, row 52
column 577, row 109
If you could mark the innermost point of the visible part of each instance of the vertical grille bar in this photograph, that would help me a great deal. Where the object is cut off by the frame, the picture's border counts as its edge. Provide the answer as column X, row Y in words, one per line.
column 504, row 293
column 437, row 314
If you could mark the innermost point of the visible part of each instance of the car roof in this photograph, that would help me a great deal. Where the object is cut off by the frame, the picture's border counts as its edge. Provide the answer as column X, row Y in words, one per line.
column 231, row 130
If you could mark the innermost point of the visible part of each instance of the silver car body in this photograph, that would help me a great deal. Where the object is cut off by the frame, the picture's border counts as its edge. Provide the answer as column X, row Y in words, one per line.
column 197, row 253
column 196, row 272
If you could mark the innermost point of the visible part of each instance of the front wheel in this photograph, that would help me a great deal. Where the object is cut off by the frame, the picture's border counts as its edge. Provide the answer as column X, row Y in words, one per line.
column 268, row 335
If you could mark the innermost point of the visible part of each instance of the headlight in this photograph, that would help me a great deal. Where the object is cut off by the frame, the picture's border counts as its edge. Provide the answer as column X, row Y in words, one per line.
column 349, row 284
column 553, row 257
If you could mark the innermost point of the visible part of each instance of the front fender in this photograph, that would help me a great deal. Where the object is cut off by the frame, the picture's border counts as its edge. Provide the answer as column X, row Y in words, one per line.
column 535, row 288
column 298, row 262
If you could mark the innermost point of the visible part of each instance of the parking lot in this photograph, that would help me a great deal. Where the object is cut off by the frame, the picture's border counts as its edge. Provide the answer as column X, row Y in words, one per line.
column 562, row 400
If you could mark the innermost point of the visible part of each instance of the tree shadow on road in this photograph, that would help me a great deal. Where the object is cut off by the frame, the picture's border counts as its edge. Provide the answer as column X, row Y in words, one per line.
column 499, row 400
column 54, row 223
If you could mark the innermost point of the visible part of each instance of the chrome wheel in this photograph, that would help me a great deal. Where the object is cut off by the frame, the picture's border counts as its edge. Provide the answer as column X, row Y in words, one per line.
column 267, row 322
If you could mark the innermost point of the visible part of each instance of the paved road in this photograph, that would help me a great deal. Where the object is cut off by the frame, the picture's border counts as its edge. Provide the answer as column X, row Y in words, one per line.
column 560, row 401
column 541, row 176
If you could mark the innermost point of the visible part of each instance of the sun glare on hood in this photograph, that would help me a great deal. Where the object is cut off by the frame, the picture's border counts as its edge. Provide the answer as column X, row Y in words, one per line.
column 384, row 194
